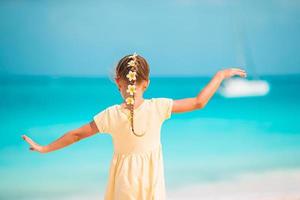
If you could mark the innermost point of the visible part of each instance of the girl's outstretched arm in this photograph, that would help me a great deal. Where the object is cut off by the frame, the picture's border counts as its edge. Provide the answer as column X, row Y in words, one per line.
column 198, row 102
column 68, row 138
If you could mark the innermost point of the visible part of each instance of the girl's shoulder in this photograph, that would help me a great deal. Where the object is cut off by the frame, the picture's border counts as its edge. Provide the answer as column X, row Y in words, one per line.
column 163, row 106
column 162, row 101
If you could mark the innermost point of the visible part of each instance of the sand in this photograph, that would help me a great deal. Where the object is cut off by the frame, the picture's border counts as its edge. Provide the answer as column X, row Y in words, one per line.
column 272, row 185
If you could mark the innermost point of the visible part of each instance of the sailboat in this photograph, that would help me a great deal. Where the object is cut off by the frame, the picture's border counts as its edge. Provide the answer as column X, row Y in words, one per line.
column 242, row 87
column 238, row 87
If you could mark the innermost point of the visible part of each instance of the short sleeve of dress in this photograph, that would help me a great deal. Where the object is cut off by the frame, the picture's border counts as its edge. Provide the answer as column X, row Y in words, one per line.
column 164, row 107
column 102, row 121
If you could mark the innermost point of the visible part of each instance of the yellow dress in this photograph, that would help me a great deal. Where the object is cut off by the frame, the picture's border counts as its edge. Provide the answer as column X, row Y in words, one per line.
column 136, row 170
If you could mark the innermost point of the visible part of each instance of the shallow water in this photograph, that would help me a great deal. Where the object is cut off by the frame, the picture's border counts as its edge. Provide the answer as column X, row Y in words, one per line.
column 227, row 138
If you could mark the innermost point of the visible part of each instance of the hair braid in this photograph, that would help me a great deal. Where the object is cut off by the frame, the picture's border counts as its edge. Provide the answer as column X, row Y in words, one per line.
column 131, row 89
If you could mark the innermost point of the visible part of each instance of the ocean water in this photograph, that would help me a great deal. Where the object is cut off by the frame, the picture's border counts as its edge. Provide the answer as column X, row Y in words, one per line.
column 226, row 139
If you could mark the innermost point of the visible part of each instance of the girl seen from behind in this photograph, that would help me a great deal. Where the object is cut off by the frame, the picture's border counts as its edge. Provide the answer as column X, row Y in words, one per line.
column 137, row 170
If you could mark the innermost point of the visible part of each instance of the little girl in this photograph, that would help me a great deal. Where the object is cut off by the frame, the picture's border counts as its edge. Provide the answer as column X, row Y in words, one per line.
column 137, row 171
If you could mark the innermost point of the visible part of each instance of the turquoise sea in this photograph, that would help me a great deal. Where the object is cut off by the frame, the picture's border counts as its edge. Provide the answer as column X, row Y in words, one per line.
column 229, row 137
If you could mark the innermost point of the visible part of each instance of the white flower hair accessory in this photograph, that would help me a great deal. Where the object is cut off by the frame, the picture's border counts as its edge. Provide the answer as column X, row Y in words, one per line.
column 132, row 78
column 129, row 100
column 131, row 88
column 131, row 75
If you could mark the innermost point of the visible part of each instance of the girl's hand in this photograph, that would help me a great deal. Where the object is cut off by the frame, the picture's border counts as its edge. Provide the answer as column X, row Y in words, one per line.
column 227, row 73
column 34, row 146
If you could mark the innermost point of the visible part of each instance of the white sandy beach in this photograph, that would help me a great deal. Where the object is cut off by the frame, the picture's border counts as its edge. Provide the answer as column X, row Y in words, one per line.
column 274, row 185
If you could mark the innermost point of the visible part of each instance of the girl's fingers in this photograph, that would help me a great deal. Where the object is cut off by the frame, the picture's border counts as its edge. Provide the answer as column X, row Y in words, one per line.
column 32, row 149
column 28, row 140
column 33, row 145
column 243, row 74
column 24, row 137
column 235, row 71
column 238, row 69
column 240, row 72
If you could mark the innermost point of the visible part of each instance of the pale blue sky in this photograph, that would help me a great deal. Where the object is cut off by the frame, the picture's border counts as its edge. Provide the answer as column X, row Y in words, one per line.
column 180, row 37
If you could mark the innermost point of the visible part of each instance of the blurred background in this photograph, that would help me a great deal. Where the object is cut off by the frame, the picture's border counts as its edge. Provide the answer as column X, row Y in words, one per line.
column 56, row 66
